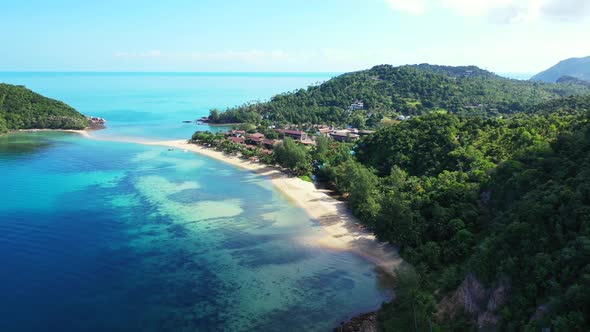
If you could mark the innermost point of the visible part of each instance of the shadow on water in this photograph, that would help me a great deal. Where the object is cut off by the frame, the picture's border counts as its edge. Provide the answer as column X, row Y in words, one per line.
column 26, row 143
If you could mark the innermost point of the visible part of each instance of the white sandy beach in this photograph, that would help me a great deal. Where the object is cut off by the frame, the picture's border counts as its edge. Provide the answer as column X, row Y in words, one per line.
column 343, row 231
column 84, row 132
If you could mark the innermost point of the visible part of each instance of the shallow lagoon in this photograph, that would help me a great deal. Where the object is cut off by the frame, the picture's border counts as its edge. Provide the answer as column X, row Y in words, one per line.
column 99, row 235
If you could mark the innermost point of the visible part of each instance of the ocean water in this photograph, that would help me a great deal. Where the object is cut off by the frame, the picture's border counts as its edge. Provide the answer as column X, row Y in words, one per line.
column 100, row 235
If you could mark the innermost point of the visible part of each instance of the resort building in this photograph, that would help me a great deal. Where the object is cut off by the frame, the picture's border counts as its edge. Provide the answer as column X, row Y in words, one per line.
column 237, row 140
column 365, row 132
column 255, row 139
column 356, row 105
column 295, row 134
column 324, row 131
column 344, row 136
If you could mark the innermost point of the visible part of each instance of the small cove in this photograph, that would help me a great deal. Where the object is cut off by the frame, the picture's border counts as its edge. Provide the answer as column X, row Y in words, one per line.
column 101, row 235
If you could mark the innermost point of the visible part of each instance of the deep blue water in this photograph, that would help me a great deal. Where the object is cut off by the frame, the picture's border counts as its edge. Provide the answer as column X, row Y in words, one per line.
column 107, row 236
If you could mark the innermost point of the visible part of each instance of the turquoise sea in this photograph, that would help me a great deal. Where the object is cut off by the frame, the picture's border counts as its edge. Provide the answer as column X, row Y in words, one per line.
column 99, row 235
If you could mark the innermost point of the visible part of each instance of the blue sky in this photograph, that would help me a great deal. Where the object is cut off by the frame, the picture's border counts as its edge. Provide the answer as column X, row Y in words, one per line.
column 283, row 35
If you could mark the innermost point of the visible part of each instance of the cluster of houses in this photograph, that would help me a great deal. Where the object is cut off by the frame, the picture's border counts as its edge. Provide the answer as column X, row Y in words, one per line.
column 258, row 140
column 339, row 135
column 251, row 141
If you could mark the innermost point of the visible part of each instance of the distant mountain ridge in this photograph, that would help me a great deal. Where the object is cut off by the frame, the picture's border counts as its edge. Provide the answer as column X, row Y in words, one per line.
column 575, row 67
column 21, row 108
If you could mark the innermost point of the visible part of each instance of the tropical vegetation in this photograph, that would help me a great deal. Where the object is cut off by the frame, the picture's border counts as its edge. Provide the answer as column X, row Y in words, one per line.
column 388, row 91
column 502, row 200
column 21, row 108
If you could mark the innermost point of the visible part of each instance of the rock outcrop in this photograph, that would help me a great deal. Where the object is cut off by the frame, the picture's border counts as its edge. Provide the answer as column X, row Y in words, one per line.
column 361, row 323
column 480, row 304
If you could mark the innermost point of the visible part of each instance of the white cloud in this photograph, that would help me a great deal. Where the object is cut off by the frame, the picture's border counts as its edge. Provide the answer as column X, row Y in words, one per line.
column 566, row 10
column 499, row 11
column 502, row 11
column 415, row 7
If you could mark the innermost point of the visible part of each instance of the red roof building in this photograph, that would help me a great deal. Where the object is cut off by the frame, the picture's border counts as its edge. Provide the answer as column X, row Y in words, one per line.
column 256, row 138
column 256, row 135
column 237, row 140
column 269, row 143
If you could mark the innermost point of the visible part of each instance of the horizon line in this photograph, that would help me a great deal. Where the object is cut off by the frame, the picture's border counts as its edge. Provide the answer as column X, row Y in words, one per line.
column 171, row 71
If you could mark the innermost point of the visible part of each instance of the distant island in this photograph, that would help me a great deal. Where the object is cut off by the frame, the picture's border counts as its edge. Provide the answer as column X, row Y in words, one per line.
column 21, row 108
column 482, row 182
column 578, row 68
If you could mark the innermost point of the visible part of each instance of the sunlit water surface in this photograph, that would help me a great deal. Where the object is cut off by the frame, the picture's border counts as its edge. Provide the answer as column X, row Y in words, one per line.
column 109, row 236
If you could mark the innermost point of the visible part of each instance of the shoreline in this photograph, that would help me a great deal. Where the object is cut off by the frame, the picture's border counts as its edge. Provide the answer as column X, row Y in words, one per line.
column 343, row 231
column 83, row 132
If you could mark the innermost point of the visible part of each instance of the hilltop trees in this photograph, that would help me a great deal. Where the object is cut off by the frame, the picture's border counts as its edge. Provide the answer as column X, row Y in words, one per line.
column 21, row 108
column 387, row 91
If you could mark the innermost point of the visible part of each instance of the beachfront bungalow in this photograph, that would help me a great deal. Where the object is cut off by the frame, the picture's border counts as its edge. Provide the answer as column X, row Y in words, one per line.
column 295, row 134
column 255, row 139
column 237, row 140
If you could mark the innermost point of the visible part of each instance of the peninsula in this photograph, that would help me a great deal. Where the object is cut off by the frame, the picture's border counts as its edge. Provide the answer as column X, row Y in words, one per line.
column 21, row 108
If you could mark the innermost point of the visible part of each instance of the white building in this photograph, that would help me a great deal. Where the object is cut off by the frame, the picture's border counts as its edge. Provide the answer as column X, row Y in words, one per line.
column 356, row 105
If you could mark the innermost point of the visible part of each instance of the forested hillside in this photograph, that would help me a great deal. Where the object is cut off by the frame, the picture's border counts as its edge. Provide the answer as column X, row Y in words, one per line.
column 573, row 80
column 387, row 91
column 21, row 108
column 489, row 204
column 500, row 203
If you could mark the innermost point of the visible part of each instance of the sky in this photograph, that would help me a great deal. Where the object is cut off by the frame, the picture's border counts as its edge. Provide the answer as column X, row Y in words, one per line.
column 516, row 36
